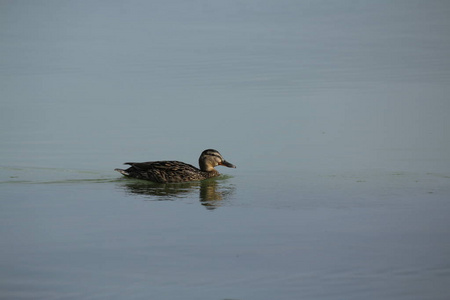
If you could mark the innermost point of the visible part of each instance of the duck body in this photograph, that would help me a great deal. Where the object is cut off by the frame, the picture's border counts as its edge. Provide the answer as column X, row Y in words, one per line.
column 166, row 171
column 177, row 171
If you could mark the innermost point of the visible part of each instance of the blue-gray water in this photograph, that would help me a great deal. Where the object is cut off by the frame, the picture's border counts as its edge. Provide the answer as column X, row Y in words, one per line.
column 335, row 113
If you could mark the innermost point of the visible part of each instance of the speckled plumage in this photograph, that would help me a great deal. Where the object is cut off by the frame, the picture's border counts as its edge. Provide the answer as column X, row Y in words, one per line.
column 177, row 171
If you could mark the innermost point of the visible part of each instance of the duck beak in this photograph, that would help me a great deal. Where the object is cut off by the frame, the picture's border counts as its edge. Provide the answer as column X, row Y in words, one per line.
column 227, row 164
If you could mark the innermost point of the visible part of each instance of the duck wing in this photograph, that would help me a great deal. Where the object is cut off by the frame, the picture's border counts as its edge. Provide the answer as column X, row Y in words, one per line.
column 163, row 171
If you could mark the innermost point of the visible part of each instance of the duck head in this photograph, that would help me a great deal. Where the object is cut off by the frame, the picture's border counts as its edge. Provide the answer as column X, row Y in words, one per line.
column 211, row 158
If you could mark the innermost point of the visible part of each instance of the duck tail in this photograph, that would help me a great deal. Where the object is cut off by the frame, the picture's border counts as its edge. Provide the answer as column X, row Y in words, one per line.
column 123, row 172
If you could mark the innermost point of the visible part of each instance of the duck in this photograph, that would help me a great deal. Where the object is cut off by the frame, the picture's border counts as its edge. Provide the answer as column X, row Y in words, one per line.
column 177, row 171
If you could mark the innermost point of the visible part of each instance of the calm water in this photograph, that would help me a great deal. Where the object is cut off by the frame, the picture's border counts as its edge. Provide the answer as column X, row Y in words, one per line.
column 335, row 113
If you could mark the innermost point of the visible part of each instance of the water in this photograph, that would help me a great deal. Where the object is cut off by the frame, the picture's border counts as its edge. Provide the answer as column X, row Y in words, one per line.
column 335, row 114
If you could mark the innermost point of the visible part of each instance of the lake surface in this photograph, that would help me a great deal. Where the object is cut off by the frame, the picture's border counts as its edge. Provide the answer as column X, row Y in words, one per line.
column 334, row 112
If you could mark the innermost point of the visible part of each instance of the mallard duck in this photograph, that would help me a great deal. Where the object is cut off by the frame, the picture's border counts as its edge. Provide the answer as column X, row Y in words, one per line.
column 177, row 171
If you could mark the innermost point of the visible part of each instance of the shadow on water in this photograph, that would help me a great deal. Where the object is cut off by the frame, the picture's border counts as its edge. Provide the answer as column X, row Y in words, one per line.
column 212, row 192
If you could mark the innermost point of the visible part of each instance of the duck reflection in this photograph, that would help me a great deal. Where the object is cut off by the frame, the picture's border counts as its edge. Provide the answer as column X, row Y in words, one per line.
column 212, row 192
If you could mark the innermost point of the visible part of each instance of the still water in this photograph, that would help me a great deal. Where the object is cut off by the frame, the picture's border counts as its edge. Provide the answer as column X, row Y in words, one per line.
column 334, row 112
